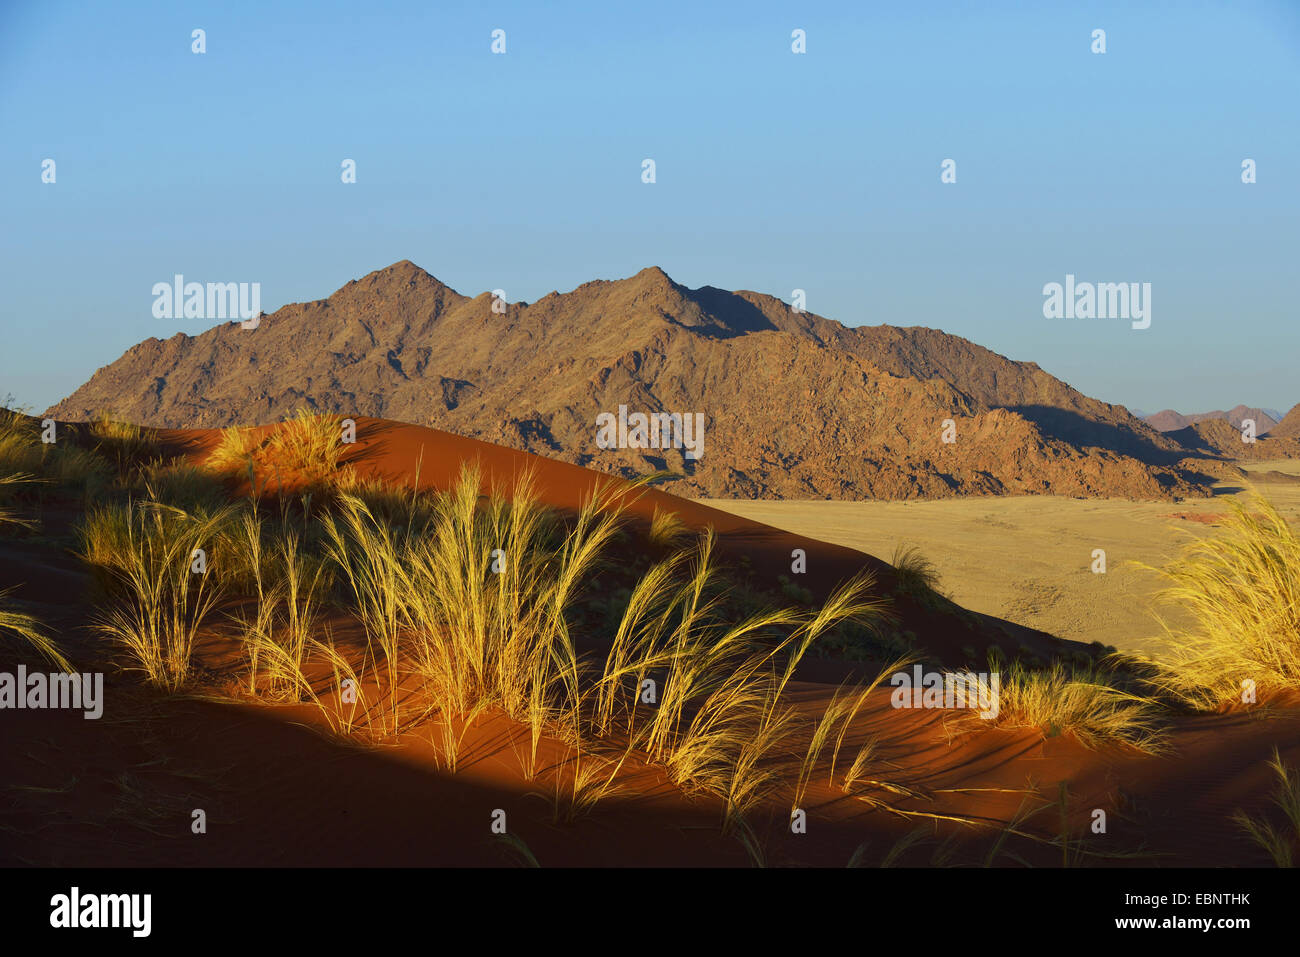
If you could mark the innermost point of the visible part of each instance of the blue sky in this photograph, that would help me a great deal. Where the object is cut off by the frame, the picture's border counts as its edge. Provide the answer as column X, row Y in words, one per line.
column 775, row 171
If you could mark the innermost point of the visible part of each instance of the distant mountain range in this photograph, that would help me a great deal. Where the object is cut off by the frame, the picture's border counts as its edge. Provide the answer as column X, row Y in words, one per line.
column 1170, row 421
column 793, row 405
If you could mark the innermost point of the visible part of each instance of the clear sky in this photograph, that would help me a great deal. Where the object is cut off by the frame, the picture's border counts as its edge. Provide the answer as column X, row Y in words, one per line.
column 775, row 170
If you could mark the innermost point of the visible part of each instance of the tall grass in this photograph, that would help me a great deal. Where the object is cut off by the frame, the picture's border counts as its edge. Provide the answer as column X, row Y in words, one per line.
column 286, row 584
column 178, row 483
column 478, row 599
column 303, row 449
column 371, row 556
column 1060, row 700
column 917, row 576
column 9, row 485
column 843, row 707
column 309, row 444
column 1280, row 845
column 723, row 722
column 20, row 443
column 1243, row 590
column 28, row 630
column 491, row 584
column 60, row 463
column 667, row 528
column 235, row 452
column 125, row 443
column 157, row 603
column 472, row 595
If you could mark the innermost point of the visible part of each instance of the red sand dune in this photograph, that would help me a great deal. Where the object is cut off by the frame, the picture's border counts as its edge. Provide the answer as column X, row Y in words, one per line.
column 279, row 790
column 406, row 455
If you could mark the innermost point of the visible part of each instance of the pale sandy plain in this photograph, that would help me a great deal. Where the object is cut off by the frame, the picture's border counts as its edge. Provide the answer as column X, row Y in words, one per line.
column 1028, row 558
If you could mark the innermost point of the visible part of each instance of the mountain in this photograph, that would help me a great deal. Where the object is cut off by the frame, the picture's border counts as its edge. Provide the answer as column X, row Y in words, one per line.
column 1289, row 427
column 1170, row 421
column 1219, row 438
column 1167, row 420
column 794, row 405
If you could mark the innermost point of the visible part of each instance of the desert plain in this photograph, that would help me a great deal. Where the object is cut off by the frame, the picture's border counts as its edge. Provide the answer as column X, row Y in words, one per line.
column 1029, row 559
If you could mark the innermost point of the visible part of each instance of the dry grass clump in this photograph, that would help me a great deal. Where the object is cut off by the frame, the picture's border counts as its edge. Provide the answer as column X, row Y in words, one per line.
column 304, row 449
column 476, row 596
column 917, row 576
column 28, row 630
column 389, row 503
column 1078, row 701
column 667, row 528
column 1243, row 589
column 288, row 585
column 1280, row 845
column 20, row 443
column 477, row 599
column 722, row 721
column 309, row 444
column 236, row 451
column 839, row 713
column 143, row 555
column 61, row 462
column 180, row 484
column 147, row 556
column 110, row 534
column 10, row 487
column 125, row 443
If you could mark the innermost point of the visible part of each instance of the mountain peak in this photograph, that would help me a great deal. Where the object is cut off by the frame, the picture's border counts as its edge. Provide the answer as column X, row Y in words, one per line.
column 653, row 277
column 805, row 407
column 1290, row 425
column 402, row 274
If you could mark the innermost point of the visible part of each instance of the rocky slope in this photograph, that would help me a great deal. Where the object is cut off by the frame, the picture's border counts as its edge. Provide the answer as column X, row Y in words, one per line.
column 794, row 405
column 1289, row 427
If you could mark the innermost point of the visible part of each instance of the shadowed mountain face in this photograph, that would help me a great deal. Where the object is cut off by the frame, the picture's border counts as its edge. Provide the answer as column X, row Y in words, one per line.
column 794, row 405
column 1218, row 438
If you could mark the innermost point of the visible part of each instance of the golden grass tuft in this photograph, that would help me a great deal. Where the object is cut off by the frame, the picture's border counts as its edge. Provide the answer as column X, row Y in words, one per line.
column 60, row 463
column 844, row 706
column 475, row 593
column 20, row 443
column 476, row 598
column 1280, row 845
column 1243, row 589
column 125, row 443
column 303, row 449
column 309, row 445
column 288, row 585
column 145, row 554
column 29, row 631
column 1060, row 700
column 667, row 528
column 917, row 576
column 236, row 451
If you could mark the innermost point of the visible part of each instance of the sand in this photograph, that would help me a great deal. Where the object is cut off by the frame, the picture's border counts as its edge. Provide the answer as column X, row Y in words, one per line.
column 1028, row 558
column 278, row 789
